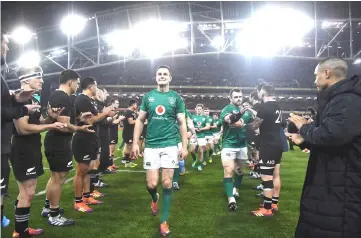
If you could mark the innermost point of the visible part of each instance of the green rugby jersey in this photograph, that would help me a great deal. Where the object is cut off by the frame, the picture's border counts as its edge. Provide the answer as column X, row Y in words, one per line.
column 162, row 109
column 199, row 121
column 217, row 123
column 209, row 132
column 234, row 137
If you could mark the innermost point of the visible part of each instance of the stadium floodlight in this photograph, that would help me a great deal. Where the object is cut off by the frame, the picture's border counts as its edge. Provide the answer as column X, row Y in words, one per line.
column 121, row 42
column 272, row 28
column 357, row 61
column 29, row 59
column 22, row 35
column 218, row 42
column 72, row 24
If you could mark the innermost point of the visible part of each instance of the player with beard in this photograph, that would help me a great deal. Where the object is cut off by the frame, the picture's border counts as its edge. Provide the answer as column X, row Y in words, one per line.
column 9, row 112
column 26, row 157
column 163, row 108
column 85, row 145
column 209, row 137
column 57, row 145
column 200, row 125
column 128, row 131
column 234, row 150
column 271, row 149
column 114, row 132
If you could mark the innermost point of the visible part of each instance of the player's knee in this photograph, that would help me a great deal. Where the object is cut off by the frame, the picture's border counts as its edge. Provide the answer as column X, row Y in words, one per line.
column 152, row 184
column 30, row 193
column 167, row 183
column 238, row 170
column 228, row 171
column 267, row 185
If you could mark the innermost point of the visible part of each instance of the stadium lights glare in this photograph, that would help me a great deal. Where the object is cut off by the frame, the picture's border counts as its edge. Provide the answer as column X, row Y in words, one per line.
column 357, row 61
column 29, row 59
column 218, row 42
column 121, row 41
column 272, row 28
column 72, row 25
column 22, row 35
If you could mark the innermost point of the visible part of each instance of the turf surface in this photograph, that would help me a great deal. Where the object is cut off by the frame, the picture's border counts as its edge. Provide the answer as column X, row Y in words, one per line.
column 199, row 209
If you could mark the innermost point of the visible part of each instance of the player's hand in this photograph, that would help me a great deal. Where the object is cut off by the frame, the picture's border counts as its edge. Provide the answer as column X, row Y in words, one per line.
column 121, row 118
column 197, row 129
column 85, row 128
column 53, row 113
column 109, row 111
column 296, row 138
column 32, row 108
column 183, row 154
column 297, row 120
column 24, row 96
column 85, row 116
column 135, row 151
column 189, row 134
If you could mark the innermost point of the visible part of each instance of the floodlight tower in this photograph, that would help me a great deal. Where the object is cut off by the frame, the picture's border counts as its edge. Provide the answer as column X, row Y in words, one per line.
column 22, row 35
column 72, row 25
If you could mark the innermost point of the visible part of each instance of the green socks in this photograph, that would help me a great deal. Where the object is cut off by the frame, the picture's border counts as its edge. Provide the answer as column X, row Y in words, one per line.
column 205, row 156
column 176, row 175
column 194, row 157
column 166, row 201
column 153, row 193
column 228, row 187
column 237, row 180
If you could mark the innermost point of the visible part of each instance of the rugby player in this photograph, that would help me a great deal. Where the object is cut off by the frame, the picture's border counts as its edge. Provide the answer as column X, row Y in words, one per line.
column 26, row 157
column 234, row 150
column 209, row 137
column 86, row 145
column 271, row 149
column 217, row 124
column 114, row 132
column 200, row 125
column 57, row 145
column 128, row 131
column 163, row 108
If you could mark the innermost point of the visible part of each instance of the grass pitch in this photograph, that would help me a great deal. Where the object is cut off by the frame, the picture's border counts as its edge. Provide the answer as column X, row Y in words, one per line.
column 198, row 210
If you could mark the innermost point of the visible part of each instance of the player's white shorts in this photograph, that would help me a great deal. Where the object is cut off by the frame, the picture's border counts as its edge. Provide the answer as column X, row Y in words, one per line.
column 234, row 153
column 202, row 142
column 209, row 139
column 155, row 158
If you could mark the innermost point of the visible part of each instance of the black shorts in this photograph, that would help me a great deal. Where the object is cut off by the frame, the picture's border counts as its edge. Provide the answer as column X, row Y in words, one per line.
column 26, row 159
column 85, row 147
column 5, row 173
column 269, row 156
column 60, row 157
column 128, row 138
column 113, row 136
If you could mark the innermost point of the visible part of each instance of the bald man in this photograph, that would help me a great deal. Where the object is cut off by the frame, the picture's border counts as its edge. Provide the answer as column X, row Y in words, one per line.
column 330, row 201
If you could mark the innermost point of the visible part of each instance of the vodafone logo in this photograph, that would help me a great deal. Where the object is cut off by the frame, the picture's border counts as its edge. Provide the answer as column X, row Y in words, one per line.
column 160, row 110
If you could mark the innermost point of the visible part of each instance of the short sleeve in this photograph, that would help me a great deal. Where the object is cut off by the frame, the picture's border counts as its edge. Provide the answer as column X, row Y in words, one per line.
column 224, row 113
column 83, row 105
column 128, row 114
column 180, row 105
column 61, row 101
column 144, row 104
column 247, row 117
column 210, row 121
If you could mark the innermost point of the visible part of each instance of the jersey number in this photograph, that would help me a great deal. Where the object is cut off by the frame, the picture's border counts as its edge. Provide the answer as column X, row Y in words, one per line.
column 279, row 117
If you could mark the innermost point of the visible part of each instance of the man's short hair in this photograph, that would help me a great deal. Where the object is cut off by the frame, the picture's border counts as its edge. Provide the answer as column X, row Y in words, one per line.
column 132, row 102
column 237, row 90
column 112, row 101
column 269, row 90
column 200, row 105
column 260, row 86
column 24, row 73
column 86, row 82
column 254, row 95
column 337, row 65
column 206, row 109
column 164, row 67
column 67, row 75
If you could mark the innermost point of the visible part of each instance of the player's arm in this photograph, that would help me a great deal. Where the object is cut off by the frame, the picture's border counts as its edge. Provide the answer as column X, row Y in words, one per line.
column 190, row 126
column 206, row 128
column 24, row 128
column 86, row 106
column 183, row 128
column 230, row 119
column 341, row 125
column 139, row 124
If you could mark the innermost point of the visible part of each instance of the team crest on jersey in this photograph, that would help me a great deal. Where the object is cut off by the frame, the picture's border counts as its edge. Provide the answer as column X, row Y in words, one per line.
column 199, row 123
column 160, row 110
column 151, row 99
column 171, row 100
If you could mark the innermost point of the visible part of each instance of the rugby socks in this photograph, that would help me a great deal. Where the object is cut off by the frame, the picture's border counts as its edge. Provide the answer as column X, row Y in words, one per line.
column 210, row 152
column 127, row 158
column 228, row 187
column 47, row 204
column 86, row 195
column 204, row 155
column 275, row 200
column 267, row 203
column 93, row 179
column 181, row 166
column 176, row 175
column 194, row 157
column 237, row 180
column 16, row 203
column 153, row 193
column 166, row 202
column 22, row 216
column 54, row 212
column 78, row 200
